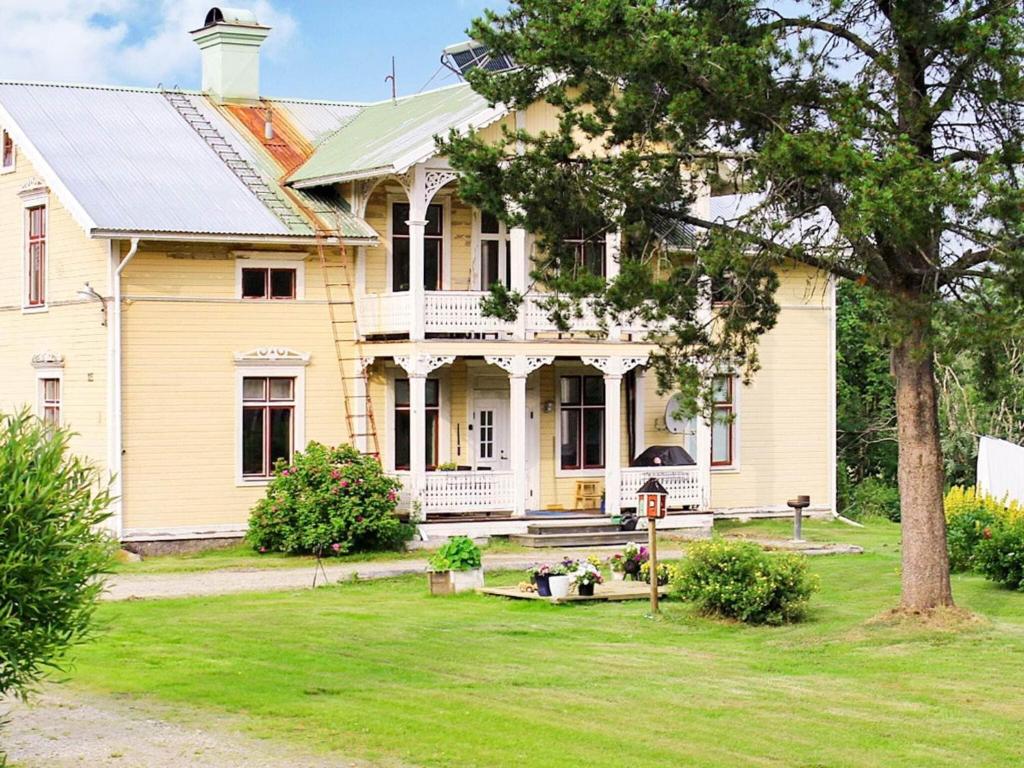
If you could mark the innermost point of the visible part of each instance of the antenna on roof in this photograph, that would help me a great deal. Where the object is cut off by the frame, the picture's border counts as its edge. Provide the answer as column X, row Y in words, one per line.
column 394, row 84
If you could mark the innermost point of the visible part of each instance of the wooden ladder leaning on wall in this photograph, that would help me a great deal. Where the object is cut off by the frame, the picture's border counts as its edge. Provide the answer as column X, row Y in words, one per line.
column 341, row 306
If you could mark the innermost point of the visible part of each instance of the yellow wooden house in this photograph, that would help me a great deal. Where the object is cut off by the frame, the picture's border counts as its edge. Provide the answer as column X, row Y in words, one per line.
column 199, row 283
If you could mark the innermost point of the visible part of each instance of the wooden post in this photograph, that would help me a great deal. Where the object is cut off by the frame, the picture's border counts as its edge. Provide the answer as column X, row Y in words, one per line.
column 652, row 563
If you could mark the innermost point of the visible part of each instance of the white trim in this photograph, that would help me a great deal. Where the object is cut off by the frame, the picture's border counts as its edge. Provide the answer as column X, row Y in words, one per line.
column 245, row 262
column 737, row 434
column 262, row 370
column 14, row 153
column 228, row 237
column 444, row 394
column 272, row 356
column 50, row 372
column 477, row 239
column 34, row 194
column 640, row 415
column 574, row 369
column 444, row 199
column 832, row 373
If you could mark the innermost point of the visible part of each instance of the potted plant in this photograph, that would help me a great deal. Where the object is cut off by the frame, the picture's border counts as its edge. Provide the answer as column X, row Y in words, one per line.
column 539, row 575
column 560, row 580
column 455, row 567
column 617, row 563
column 585, row 576
column 633, row 558
column 665, row 573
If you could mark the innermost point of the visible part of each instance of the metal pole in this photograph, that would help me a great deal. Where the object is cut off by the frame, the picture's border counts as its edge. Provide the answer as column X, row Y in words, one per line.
column 798, row 520
column 652, row 548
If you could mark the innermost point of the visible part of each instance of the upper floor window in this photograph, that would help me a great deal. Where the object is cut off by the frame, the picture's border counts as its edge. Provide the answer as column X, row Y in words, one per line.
column 494, row 252
column 49, row 401
column 433, row 247
column 723, row 422
column 269, row 283
column 268, row 423
column 590, row 251
column 6, row 152
column 35, row 256
column 581, row 406
column 403, row 425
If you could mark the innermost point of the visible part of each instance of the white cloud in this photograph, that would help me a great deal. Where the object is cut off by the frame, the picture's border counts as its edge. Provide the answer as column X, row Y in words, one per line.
column 136, row 42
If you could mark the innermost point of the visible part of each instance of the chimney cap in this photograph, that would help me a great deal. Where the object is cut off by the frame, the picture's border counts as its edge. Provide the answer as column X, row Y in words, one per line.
column 234, row 16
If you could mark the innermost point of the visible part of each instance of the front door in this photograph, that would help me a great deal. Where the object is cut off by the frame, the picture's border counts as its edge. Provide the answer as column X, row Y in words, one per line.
column 490, row 423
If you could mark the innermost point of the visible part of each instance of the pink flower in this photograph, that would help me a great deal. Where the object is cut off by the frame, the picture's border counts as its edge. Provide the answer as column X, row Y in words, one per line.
column 359, row 518
column 336, row 546
column 392, row 495
column 344, row 484
column 335, row 474
column 262, row 550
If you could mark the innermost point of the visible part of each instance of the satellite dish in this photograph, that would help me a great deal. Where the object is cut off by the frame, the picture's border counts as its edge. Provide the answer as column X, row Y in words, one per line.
column 675, row 423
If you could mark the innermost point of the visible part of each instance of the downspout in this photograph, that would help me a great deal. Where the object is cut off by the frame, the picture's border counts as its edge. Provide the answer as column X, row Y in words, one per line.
column 116, row 427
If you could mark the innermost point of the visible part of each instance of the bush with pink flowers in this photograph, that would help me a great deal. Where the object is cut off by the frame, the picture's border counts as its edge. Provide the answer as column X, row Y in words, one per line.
column 330, row 501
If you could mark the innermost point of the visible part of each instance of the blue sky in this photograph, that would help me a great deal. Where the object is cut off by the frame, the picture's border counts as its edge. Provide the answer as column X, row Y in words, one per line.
column 330, row 49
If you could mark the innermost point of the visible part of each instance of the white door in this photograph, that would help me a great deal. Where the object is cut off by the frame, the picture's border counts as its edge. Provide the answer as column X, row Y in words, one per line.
column 490, row 425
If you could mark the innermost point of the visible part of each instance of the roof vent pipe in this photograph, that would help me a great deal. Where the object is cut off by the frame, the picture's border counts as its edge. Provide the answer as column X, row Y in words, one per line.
column 230, row 42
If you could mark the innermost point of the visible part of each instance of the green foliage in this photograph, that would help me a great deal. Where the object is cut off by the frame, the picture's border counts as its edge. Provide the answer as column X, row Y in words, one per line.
column 330, row 501
column 459, row 553
column 51, row 549
column 737, row 580
column 999, row 555
column 873, row 497
column 970, row 519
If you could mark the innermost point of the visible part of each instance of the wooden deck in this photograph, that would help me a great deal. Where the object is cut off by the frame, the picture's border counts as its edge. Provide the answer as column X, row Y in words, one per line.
column 612, row 591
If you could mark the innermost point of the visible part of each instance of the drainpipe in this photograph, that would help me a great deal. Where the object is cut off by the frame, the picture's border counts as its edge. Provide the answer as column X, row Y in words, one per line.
column 115, row 439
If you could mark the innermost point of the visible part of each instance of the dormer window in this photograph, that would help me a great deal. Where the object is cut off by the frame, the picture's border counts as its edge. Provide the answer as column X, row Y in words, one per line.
column 7, row 155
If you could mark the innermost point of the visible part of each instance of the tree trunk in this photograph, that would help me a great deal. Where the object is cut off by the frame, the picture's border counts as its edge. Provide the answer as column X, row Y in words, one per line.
column 925, row 559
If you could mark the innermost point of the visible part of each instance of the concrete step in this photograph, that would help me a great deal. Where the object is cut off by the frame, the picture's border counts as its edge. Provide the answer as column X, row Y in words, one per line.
column 571, row 526
column 600, row 539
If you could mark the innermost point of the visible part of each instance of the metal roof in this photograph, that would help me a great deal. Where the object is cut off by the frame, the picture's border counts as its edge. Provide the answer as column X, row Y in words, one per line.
column 390, row 136
column 316, row 120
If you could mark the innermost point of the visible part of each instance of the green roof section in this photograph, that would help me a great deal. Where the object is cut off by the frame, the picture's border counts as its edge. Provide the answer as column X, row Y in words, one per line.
column 390, row 136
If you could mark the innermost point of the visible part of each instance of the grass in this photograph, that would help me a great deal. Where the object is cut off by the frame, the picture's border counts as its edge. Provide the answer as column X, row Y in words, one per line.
column 381, row 671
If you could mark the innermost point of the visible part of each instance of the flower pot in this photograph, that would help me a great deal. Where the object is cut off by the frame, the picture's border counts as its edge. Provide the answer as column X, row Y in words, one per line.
column 559, row 586
column 585, row 590
column 467, row 581
column 543, row 587
column 440, row 582
column 618, row 576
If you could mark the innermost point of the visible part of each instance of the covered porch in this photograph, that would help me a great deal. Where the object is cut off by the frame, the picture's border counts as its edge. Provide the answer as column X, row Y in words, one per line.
column 507, row 437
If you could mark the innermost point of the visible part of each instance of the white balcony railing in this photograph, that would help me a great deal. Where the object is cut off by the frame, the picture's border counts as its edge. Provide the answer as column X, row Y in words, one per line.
column 463, row 491
column 381, row 314
column 682, row 483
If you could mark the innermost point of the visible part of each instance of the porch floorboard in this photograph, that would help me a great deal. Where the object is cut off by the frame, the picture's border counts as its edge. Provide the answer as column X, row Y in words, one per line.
column 614, row 591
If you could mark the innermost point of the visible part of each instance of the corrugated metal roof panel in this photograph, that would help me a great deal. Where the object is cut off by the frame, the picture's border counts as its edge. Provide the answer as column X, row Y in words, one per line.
column 317, row 120
column 382, row 134
column 133, row 163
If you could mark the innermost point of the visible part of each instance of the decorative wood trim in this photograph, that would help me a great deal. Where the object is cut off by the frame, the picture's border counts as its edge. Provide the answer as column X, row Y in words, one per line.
column 272, row 356
column 46, row 360
column 33, row 187
column 422, row 365
column 616, row 366
column 519, row 365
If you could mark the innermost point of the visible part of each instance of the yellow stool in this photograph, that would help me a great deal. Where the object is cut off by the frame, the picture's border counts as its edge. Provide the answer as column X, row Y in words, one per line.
column 588, row 494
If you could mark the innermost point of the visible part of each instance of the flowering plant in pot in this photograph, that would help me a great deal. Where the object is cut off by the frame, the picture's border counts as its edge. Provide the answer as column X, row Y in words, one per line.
column 457, row 563
column 633, row 558
column 617, row 563
column 539, row 575
column 666, row 573
column 560, row 579
column 585, row 576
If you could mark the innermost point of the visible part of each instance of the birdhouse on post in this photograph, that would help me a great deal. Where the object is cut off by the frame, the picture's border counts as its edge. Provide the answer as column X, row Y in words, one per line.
column 652, row 500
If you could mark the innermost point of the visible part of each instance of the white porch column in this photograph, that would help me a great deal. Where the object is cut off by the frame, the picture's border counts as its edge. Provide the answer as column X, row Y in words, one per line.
column 612, row 250
column 417, row 295
column 640, row 404
column 518, row 368
column 361, row 392
column 418, row 367
column 705, row 316
column 613, row 369
column 519, row 270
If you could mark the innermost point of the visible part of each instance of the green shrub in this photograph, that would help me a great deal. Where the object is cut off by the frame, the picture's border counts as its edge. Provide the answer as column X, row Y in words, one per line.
column 328, row 501
column 51, row 549
column 968, row 516
column 737, row 580
column 873, row 497
column 999, row 554
column 459, row 553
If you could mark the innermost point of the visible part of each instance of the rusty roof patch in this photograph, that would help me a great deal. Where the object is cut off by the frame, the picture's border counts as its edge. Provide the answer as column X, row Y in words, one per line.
column 288, row 148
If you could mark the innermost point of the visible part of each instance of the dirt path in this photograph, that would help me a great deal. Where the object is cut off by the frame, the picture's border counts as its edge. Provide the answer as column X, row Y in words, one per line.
column 66, row 728
column 147, row 586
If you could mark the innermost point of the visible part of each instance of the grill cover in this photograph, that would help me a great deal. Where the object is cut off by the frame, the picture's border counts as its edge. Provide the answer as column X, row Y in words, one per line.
column 664, row 456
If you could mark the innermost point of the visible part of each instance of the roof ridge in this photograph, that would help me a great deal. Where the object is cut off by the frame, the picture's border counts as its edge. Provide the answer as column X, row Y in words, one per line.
column 416, row 95
column 328, row 102
column 97, row 87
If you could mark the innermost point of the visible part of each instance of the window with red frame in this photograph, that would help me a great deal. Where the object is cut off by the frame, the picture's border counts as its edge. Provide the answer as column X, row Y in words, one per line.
column 268, row 283
column 7, row 163
column 723, row 422
column 403, row 423
column 268, row 423
column 582, row 422
column 49, row 395
column 35, row 258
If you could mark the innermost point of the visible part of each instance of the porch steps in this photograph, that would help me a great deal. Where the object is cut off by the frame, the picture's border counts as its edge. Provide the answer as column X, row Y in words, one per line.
column 576, row 533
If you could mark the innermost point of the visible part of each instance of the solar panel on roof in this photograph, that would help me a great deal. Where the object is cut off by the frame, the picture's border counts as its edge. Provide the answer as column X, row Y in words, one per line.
column 463, row 59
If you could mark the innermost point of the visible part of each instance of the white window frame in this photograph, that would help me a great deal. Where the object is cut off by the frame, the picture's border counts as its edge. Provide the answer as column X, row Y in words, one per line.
column 34, row 199
column 4, row 135
column 479, row 238
column 443, row 199
column 42, row 374
column 736, row 435
column 299, row 265
column 273, row 369
column 573, row 370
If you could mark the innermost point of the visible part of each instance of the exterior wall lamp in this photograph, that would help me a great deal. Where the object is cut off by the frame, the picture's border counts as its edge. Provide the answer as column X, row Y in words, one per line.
column 89, row 292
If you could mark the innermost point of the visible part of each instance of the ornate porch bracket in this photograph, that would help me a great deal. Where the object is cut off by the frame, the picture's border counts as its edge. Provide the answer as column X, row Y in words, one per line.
column 422, row 365
column 615, row 366
column 519, row 365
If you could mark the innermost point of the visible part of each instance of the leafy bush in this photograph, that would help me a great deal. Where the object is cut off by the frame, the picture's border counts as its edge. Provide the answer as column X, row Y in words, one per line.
column 459, row 553
column 873, row 497
column 968, row 516
column 331, row 501
column 737, row 580
column 51, row 549
column 999, row 554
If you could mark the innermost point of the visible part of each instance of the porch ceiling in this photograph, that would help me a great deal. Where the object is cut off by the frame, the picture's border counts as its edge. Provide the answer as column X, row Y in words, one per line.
column 559, row 348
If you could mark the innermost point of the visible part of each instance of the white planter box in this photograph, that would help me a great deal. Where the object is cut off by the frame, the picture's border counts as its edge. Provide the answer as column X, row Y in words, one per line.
column 467, row 581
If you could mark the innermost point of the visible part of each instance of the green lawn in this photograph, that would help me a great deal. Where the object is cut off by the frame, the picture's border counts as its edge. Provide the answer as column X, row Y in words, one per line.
column 380, row 670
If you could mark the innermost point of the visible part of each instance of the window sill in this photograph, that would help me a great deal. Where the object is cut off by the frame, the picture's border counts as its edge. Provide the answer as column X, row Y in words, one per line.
column 596, row 472
column 726, row 470
column 255, row 482
column 35, row 310
column 5, row 171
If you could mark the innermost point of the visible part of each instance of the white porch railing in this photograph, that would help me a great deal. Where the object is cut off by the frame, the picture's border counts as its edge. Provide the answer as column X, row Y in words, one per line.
column 465, row 491
column 682, row 483
column 384, row 313
column 460, row 312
